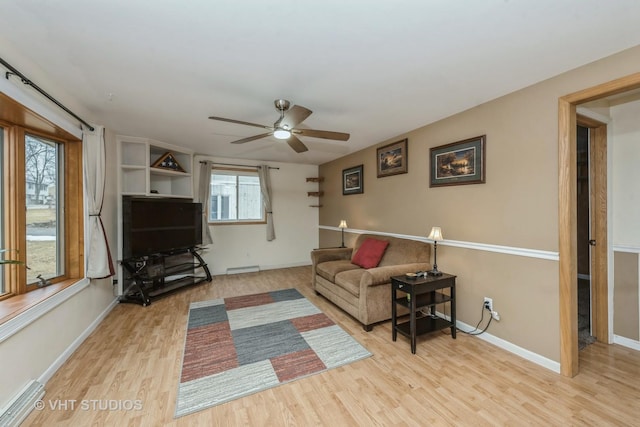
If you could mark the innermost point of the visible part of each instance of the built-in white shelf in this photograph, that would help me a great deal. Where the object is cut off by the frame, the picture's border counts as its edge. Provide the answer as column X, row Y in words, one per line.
column 137, row 176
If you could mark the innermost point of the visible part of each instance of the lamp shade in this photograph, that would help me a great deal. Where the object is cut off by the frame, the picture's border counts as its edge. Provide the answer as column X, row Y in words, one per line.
column 343, row 224
column 436, row 234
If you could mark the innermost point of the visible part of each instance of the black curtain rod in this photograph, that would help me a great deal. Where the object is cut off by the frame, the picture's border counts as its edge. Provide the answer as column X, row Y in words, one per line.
column 233, row 164
column 25, row 80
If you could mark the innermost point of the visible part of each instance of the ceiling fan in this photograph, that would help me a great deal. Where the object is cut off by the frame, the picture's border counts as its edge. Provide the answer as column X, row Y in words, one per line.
column 285, row 127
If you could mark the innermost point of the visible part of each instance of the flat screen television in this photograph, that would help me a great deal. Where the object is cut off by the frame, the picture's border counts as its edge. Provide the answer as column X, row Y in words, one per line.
column 156, row 225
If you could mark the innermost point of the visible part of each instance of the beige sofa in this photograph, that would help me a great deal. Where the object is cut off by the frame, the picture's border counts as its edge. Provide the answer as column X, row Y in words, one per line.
column 366, row 293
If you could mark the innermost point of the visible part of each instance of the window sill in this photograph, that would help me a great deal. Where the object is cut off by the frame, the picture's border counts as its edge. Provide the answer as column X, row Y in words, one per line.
column 19, row 311
column 237, row 222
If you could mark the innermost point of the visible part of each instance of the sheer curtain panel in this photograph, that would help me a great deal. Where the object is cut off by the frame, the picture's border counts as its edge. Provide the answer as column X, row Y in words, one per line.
column 265, row 188
column 204, row 194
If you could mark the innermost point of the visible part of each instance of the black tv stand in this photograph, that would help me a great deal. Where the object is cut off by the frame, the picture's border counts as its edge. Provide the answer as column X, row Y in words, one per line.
column 157, row 275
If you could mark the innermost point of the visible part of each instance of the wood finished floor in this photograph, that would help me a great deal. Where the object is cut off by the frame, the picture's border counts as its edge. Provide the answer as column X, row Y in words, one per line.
column 136, row 354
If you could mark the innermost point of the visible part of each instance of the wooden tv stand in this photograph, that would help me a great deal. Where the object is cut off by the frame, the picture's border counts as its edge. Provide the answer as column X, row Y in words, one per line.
column 154, row 276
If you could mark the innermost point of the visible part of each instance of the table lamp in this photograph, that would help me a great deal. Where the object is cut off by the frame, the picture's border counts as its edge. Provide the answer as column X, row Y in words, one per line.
column 342, row 226
column 436, row 236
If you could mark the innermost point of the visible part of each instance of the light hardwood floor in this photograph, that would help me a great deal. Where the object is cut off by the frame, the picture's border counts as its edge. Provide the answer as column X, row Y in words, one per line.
column 136, row 354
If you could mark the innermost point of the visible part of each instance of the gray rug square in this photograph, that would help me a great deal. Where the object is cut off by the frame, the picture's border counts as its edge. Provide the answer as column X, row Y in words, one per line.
column 266, row 341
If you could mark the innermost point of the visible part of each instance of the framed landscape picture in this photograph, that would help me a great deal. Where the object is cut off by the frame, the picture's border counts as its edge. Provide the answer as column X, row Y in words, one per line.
column 392, row 159
column 458, row 163
column 352, row 180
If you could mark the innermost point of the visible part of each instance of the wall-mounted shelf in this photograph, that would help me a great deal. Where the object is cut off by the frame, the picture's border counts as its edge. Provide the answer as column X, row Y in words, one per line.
column 316, row 180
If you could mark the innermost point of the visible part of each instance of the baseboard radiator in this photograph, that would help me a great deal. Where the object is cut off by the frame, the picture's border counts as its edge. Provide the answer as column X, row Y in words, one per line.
column 246, row 269
column 20, row 407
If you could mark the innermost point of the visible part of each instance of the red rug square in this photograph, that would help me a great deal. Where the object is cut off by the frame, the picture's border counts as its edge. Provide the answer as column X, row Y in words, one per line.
column 295, row 365
column 208, row 350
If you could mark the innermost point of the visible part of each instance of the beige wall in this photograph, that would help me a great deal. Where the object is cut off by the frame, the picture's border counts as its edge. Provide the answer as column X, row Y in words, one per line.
column 625, row 195
column 516, row 207
column 626, row 321
column 625, row 147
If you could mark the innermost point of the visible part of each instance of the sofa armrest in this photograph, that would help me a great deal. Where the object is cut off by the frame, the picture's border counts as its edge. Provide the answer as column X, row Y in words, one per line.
column 381, row 275
column 329, row 254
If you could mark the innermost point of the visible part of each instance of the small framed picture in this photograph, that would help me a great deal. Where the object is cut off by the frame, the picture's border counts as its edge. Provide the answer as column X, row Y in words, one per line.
column 392, row 159
column 168, row 161
column 458, row 163
column 352, row 180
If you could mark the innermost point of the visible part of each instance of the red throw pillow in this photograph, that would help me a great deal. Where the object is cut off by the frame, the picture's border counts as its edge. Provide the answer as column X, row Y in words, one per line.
column 370, row 253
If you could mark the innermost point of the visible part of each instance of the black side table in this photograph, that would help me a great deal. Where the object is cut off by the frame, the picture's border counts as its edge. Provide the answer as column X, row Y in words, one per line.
column 421, row 292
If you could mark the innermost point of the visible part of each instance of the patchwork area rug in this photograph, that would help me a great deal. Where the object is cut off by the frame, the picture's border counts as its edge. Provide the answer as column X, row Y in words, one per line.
column 242, row 345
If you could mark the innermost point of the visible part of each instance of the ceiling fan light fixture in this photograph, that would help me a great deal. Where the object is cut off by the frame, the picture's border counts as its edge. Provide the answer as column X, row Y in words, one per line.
column 285, row 128
column 281, row 134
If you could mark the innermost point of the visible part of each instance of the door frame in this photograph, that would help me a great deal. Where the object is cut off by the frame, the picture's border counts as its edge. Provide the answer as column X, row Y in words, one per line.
column 567, row 222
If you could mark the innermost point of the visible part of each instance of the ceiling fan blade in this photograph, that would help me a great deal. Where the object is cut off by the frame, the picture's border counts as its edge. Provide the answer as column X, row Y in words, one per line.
column 325, row 134
column 252, row 138
column 240, row 122
column 296, row 144
column 293, row 116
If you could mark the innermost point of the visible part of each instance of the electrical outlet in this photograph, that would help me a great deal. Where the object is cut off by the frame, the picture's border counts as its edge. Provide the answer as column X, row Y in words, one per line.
column 488, row 303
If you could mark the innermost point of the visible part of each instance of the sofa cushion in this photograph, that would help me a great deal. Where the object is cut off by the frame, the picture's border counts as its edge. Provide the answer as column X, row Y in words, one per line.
column 329, row 269
column 370, row 253
column 350, row 280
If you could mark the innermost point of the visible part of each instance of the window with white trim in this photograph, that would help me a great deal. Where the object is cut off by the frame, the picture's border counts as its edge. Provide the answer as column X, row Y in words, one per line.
column 235, row 197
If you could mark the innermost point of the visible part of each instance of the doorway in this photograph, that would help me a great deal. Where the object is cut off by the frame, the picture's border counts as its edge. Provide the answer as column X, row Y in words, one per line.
column 591, row 231
column 583, row 281
column 567, row 221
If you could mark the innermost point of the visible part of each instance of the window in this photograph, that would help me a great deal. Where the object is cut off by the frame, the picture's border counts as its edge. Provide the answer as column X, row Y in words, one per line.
column 42, row 215
column 235, row 197
column 44, row 244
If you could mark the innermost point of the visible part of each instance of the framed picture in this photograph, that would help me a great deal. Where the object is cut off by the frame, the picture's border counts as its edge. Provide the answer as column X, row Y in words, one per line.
column 458, row 163
column 352, row 180
column 392, row 159
column 168, row 161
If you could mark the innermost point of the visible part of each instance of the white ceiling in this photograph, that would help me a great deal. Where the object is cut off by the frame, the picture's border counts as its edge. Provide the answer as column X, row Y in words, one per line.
column 374, row 69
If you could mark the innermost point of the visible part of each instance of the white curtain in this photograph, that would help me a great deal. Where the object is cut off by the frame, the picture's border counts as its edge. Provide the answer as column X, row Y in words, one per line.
column 265, row 188
column 98, row 259
column 204, row 194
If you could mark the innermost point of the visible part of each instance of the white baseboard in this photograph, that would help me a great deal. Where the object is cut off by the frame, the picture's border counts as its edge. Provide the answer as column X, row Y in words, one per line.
column 626, row 342
column 512, row 348
column 46, row 375
column 506, row 345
